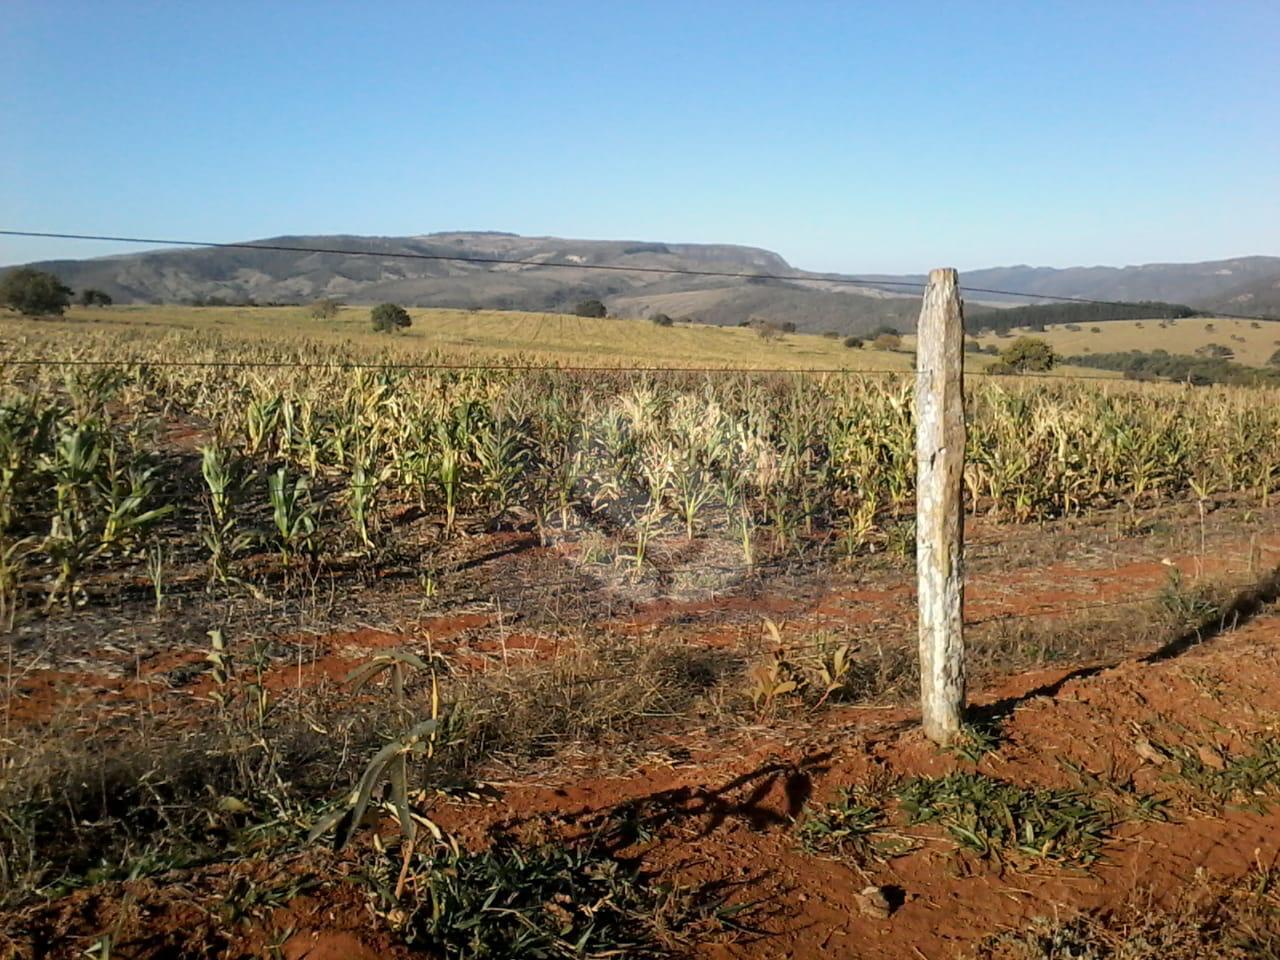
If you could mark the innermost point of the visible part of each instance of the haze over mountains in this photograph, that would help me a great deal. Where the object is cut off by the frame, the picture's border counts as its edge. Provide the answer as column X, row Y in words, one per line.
column 810, row 300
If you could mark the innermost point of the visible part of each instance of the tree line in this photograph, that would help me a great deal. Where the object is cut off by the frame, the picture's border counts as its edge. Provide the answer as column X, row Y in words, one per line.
column 1199, row 371
column 1041, row 315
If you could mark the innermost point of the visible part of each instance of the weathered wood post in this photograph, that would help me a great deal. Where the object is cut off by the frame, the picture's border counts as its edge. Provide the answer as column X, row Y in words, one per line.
column 940, row 439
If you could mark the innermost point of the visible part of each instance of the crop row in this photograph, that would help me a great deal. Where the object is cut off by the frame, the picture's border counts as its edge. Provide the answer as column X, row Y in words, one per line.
column 103, row 463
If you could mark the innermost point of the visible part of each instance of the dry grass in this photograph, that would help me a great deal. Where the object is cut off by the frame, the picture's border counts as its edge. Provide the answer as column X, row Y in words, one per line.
column 246, row 774
column 1240, row 922
column 1253, row 341
column 477, row 336
column 488, row 336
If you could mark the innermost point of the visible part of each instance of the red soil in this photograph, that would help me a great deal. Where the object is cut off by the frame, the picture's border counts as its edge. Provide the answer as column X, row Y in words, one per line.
column 474, row 641
column 728, row 814
column 729, row 817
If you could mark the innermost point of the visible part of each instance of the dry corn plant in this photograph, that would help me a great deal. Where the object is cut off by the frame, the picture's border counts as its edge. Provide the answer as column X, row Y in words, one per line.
column 657, row 460
column 416, row 738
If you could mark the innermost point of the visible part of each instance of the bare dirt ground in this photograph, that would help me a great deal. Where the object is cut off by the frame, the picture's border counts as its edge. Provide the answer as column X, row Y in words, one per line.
column 1072, row 687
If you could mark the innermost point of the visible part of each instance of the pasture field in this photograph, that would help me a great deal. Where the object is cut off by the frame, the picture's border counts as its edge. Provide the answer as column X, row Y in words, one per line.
column 486, row 335
column 310, row 655
column 1252, row 341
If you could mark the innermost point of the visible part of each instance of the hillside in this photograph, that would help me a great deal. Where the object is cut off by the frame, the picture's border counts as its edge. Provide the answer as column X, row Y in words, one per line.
column 270, row 276
column 1259, row 295
column 1209, row 284
column 812, row 301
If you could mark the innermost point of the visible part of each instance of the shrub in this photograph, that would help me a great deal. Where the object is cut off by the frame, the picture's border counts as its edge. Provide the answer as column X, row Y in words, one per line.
column 789, row 327
column 387, row 317
column 324, row 309
column 89, row 297
column 662, row 320
column 1095, row 329
column 1274, row 360
column 34, row 292
column 766, row 330
column 887, row 341
column 855, row 343
column 1028, row 355
column 1216, row 350
column 832, row 335
column 591, row 308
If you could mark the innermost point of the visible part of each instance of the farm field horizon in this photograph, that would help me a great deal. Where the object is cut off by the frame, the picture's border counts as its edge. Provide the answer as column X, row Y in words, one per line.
column 489, row 336
column 568, row 340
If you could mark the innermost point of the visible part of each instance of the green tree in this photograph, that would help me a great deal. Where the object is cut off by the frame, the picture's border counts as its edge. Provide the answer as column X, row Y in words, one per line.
column 853, row 343
column 90, row 297
column 34, row 292
column 1028, row 355
column 325, row 308
column 591, row 308
column 388, row 317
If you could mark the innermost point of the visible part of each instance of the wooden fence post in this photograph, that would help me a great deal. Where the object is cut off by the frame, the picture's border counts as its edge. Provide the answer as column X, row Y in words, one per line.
column 940, row 439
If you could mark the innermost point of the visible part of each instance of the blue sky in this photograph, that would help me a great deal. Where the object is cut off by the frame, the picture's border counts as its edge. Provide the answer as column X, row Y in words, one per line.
column 846, row 136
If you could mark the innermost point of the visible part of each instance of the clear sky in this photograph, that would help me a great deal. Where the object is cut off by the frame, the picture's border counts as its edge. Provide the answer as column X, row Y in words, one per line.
column 846, row 136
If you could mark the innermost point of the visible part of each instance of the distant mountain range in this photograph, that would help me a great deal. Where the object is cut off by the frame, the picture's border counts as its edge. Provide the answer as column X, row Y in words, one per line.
column 812, row 301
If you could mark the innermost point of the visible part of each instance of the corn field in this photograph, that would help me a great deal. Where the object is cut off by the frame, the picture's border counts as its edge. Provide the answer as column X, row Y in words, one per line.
column 253, row 469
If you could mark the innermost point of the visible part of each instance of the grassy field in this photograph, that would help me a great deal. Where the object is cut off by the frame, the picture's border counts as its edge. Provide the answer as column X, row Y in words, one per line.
column 1253, row 341
column 487, row 335
column 537, row 337
column 563, row 340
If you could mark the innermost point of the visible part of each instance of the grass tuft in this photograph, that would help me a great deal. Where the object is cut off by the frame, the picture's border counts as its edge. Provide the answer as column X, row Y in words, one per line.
column 1251, row 780
column 516, row 901
column 853, row 828
column 993, row 818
